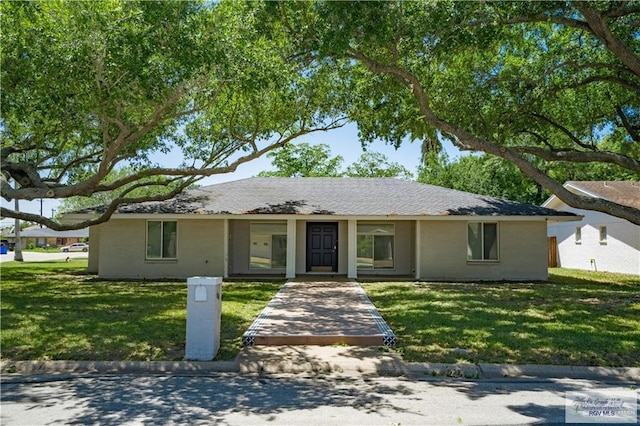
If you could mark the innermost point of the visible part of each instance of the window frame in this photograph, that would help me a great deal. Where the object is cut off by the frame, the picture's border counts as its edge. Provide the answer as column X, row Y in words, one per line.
column 373, row 236
column 482, row 234
column 577, row 235
column 162, row 245
column 271, row 235
column 606, row 234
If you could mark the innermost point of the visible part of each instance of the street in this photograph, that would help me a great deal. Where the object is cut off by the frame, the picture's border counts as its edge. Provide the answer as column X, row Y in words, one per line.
column 232, row 399
column 34, row 256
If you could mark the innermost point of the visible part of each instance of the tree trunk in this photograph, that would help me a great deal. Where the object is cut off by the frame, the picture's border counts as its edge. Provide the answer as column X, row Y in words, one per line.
column 17, row 248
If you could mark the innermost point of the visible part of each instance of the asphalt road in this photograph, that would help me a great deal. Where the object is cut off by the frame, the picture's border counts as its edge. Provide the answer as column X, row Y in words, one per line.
column 232, row 399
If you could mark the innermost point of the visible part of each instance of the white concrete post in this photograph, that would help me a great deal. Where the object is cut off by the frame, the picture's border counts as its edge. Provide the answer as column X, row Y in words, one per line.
column 204, row 305
column 418, row 253
column 352, row 249
column 291, row 248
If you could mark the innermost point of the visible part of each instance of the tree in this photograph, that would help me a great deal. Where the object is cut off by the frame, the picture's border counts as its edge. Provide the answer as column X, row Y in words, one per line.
column 375, row 164
column 92, row 87
column 304, row 160
column 536, row 84
column 481, row 174
column 101, row 199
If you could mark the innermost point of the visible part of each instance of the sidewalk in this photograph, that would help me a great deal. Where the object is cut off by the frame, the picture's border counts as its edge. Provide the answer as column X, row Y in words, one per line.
column 314, row 360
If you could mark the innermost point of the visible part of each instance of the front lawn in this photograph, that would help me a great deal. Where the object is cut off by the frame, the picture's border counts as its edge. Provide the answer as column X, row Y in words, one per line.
column 577, row 318
column 52, row 311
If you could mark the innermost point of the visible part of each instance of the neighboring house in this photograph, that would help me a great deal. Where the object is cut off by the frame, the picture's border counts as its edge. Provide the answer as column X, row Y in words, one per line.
column 353, row 227
column 45, row 237
column 599, row 241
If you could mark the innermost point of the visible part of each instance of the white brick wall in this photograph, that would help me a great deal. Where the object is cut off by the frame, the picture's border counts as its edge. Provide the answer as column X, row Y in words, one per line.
column 620, row 253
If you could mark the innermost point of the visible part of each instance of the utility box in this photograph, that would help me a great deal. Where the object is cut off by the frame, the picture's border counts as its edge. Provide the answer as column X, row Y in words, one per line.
column 204, row 303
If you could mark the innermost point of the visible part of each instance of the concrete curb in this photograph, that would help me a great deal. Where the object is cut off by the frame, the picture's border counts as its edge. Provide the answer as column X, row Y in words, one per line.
column 20, row 368
column 495, row 371
column 314, row 360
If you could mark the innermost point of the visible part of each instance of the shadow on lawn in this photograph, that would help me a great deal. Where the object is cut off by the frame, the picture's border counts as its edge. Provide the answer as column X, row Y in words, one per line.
column 537, row 323
column 49, row 313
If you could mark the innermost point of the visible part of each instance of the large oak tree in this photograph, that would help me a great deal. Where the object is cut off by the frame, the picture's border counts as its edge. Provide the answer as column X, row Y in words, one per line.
column 90, row 89
column 535, row 83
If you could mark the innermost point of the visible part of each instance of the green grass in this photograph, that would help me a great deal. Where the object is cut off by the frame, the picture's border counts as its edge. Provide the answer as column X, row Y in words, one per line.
column 577, row 318
column 52, row 311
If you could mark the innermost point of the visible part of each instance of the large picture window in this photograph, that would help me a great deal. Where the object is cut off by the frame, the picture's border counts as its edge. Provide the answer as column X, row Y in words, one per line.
column 376, row 246
column 268, row 245
column 482, row 241
column 162, row 239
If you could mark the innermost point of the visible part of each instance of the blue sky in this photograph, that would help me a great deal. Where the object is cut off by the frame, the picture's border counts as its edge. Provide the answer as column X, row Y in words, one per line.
column 343, row 142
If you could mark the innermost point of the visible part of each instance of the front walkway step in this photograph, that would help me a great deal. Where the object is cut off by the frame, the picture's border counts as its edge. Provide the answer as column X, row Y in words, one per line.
column 319, row 359
column 320, row 313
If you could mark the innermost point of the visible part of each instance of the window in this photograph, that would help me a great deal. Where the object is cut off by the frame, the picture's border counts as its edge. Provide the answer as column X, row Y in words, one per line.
column 603, row 234
column 482, row 241
column 578, row 235
column 375, row 246
column 268, row 245
column 161, row 239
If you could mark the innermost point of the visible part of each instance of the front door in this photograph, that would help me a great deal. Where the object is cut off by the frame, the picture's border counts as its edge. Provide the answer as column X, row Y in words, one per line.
column 322, row 247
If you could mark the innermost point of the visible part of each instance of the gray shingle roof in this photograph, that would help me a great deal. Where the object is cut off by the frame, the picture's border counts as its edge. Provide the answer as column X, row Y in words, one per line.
column 336, row 196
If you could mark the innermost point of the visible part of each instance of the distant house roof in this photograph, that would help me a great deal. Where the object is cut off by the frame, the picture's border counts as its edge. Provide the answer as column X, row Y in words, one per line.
column 37, row 232
column 621, row 192
column 335, row 196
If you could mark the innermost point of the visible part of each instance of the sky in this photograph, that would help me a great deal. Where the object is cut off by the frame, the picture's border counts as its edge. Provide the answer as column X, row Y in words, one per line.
column 343, row 142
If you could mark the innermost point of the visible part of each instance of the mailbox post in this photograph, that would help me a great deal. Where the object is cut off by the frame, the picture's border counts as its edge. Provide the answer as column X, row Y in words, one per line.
column 203, row 318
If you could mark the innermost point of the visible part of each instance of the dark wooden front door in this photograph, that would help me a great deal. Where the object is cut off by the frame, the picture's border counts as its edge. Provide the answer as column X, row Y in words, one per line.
column 322, row 247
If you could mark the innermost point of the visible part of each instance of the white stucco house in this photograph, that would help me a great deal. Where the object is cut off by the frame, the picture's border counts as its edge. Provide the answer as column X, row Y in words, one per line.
column 599, row 241
column 353, row 227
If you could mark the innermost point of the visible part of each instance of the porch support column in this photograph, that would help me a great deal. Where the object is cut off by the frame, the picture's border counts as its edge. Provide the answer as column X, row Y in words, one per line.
column 225, row 249
column 291, row 248
column 418, row 244
column 352, row 249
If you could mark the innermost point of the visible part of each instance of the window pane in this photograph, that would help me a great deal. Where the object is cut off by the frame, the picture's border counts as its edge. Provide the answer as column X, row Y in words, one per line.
column 154, row 239
column 383, row 252
column 169, row 238
column 268, row 245
column 279, row 251
column 474, row 241
column 603, row 233
column 365, row 251
column 578, row 234
column 490, row 241
column 376, row 229
column 260, row 251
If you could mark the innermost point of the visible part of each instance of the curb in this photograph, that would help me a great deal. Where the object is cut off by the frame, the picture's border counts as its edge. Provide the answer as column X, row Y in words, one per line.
column 507, row 371
column 28, row 368
column 20, row 369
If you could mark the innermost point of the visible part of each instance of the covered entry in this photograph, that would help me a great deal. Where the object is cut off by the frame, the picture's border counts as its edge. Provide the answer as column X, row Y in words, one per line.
column 322, row 247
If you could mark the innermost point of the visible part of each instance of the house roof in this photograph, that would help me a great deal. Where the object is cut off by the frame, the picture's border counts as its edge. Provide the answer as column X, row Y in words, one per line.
column 335, row 196
column 37, row 232
column 621, row 192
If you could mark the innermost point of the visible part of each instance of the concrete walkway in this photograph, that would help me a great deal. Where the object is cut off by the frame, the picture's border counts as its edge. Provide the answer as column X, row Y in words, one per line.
column 319, row 312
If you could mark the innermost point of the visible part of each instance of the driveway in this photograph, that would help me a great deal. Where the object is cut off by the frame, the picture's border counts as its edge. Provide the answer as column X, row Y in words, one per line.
column 32, row 256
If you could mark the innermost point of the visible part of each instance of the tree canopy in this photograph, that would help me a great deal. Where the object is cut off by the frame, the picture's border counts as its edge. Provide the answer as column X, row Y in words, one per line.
column 306, row 160
column 90, row 88
column 533, row 83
